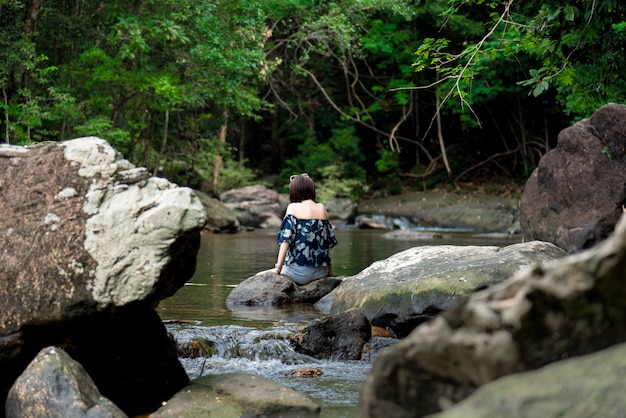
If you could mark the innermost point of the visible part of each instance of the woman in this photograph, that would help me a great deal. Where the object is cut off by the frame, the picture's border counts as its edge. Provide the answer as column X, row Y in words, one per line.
column 305, row 236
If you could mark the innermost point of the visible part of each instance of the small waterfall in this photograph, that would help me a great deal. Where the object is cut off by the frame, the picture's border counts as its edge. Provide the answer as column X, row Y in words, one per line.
column 267, row 352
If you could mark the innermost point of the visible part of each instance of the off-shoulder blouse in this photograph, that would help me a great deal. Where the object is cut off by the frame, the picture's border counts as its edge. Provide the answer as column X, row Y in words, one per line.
column 310, row 241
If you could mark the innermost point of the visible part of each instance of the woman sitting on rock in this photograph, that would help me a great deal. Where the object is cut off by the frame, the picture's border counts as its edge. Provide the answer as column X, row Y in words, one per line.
column 305, row 236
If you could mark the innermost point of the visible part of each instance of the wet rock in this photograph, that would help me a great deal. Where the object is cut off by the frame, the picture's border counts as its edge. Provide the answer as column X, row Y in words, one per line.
column 414, row 285
column 54, row 385
column 580, row 387
column 254, row 206
column 308, row 372
column 270, row 289
column 572, row 199
column 91, row 239
column 197, row 347
column 567, row 307
column 237, row 395
column 337, row 337
column 372, row 349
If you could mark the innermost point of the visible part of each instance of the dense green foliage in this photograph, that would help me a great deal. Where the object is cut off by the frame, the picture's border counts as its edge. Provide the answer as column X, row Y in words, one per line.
column 361, row 94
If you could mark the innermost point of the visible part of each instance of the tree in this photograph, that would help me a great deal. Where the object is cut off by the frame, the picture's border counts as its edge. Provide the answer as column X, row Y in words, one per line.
column 333, row 54
column 229, row 62
column 571, row 51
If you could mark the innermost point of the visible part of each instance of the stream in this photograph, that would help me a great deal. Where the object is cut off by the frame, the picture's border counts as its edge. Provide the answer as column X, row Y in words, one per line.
column 253, row 339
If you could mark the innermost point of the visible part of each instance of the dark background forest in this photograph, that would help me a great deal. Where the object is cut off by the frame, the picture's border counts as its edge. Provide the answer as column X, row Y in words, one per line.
column 367, row 96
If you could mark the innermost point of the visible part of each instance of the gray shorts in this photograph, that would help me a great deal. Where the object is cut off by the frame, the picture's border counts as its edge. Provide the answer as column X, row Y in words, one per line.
column 304, row 274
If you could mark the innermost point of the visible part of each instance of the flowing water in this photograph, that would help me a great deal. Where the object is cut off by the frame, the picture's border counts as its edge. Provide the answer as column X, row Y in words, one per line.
column 255, row 339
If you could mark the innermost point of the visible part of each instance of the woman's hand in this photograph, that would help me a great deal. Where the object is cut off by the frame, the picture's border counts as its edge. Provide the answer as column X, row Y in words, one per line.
column 277, row 268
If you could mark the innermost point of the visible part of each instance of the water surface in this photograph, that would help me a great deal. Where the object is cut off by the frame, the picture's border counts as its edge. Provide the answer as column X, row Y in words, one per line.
column 225, row 260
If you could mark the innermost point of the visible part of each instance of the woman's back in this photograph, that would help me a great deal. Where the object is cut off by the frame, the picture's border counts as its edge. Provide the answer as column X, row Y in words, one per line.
column 307, row 209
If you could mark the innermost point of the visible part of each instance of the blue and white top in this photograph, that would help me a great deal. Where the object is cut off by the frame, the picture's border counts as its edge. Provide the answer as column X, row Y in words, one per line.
column 310, row 241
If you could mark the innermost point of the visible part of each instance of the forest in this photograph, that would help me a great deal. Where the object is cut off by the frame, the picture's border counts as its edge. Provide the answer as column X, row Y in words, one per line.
column 367, row 96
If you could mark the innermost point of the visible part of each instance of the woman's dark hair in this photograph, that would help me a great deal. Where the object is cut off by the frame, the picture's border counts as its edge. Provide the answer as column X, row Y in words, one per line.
column 301, row 187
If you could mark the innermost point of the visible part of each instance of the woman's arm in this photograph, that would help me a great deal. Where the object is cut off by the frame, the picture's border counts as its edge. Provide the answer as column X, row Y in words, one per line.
column 282, row 253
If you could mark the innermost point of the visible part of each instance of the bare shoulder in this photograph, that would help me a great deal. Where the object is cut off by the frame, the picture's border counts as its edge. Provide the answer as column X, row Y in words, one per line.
column 298, row 209
column 291, row 209
column 322, row 210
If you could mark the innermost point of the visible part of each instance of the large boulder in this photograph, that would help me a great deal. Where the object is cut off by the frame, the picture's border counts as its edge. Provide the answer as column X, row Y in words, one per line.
column 220, row 217
column 579, row 387
column 254, row 206
column 54, row 385
column 341, row 209
column 573, row 198
column 414, row 285
column 90, row 237
column 267, row 288
column 562, row 308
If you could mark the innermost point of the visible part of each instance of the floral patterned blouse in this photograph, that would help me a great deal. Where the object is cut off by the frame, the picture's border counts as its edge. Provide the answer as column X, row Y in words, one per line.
column 310, row 241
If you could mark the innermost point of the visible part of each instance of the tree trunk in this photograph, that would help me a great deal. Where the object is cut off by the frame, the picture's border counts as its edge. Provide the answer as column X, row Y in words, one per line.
column 30, row 20
column 442, row 145
column 163, row 144
column 219, row 160
column 242, row 143
column 6, row 116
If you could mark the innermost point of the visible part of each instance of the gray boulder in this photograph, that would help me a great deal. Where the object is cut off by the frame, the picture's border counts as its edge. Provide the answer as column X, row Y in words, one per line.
column 562, row 308
column 219, row 217
column 237, row 395
column 254, row 206
column 414, row 285
column 54, row 385
column 579, row 387
column 573, row 197
column 269, row 289
column 91, row 240
column 336, row 337
column 341, row 208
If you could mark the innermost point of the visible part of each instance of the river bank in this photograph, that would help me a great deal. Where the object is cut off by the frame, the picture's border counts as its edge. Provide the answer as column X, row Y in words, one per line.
column 454, row 210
